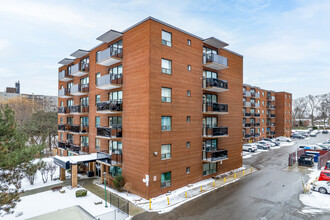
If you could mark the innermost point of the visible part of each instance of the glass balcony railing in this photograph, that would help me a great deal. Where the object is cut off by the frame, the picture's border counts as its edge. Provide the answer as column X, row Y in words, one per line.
column 214, row 155
column 215, row 61
column 246, row 104
column 247, row 93
column 209, row 131
column 215, row 108
column 64, row 76
column 255, row 95
column 215, row 85
column 80, row 89
column 255, row 105
column 79, row 70
column 64, row 93
column 110, row 81
column 109, row 56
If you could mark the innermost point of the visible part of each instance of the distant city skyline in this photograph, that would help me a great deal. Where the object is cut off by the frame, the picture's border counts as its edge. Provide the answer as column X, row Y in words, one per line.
column 284, row 43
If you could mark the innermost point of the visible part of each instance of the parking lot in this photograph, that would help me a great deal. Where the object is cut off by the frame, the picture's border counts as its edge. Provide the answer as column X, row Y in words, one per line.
column 271, row 193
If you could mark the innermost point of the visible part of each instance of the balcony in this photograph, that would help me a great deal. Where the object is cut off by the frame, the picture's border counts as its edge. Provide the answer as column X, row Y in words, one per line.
column 269, row 124
column 212, row 156
column 209, row 131
column 256, row 134
column 271, row 98
column 255, row 124
column 255, row 95
column 255, row 105
column 246, row 104
column 271, row 107
column 75, row 148
column 247, row 114
column 109, row 56
column 215, row 85
column 270, row 132
column 247, row 93
column 215, row 61
column 247, row 136
column 255, row 115
column 110, row 81
column 215, row 108
column 62, row 145
column 61, row 127
column 116, row 158
column 109, row 107
column 64, row 93
column 79, row 109
column 107, row 132
column 79, row 128
column 80, row 89
column 63, row 110
column 246, row 125
column 64, row 76
column 79, row 70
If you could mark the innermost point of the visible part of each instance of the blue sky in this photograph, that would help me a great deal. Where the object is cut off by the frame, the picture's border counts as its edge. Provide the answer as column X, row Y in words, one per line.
column 285, row 44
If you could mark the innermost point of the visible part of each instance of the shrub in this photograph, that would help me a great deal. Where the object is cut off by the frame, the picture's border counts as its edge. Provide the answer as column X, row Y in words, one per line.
column 314, row 128
column 118, row 182
column 81, row 192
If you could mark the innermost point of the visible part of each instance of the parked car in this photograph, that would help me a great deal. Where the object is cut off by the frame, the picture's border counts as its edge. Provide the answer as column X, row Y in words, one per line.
column 325, row 132
column 313, row 134
column 262, row 147
column 283, row 139
column 326, row 142
column 324, row 146
column 324, row 175
column 267, row 143
column 298, row 136
column 306, row 160
column 250, row 147
column 321, row 186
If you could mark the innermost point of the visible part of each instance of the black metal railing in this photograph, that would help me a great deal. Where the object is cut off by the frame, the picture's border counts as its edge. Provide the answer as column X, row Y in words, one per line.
column 247, row 125
column 113, row 105
column 113, row 132
column 215, row 107
column 61, row 127
column 213, row 156
column 215, row 131
column 211, row 82
column 75, row 128
column 247, row 114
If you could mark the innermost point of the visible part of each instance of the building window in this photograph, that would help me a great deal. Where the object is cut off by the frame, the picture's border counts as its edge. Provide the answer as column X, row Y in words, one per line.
column 165, row 179
column 188, row 144
column 188, row 119
column 167, row 38
column 97, row 99
column 97, row 76
column 115, row 147
column 263, row 103
column 209, row 168
column 189, row 42
column 166, row 94
column 188, row 93
column 263, row 130
column 61, row 120
column 84, row 141
column 263, row 121
column 84, row 81
column 166, row 151
column 116, row 96
column 97, row 144
column 61, row 136
column 61, row 104
column 84, row 121
column 166, row 66
column 187, row 170
column 166, row 123
column 263, row 112
column 70, row 102
column 263, row 94
column 189, row 67
column 84, row 101
column 97, row 121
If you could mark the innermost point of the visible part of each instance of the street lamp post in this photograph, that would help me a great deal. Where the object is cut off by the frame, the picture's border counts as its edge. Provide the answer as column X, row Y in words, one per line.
column 105, row 190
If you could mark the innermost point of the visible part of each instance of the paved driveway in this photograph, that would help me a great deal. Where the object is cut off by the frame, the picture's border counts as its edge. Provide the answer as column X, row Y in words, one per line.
column 271, row 193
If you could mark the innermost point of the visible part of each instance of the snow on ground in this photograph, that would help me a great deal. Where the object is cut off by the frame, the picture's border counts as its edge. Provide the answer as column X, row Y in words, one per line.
column 49, row 201
column 315, row 202
column 250, row 154
column 177, row 197
column 38, row 179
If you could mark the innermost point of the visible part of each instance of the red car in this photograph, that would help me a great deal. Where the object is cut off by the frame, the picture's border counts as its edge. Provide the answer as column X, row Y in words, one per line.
column 327, row 165
column 324, row 175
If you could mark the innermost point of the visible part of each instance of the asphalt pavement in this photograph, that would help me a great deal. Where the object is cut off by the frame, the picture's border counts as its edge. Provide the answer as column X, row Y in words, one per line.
column 271, row 193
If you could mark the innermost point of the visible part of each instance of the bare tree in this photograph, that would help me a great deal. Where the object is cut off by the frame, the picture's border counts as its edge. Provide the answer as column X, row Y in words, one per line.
column 299, row 108
column 313, row 102
column 52, row 169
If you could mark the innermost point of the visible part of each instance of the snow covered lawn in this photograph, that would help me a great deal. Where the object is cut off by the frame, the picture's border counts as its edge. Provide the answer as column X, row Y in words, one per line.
column 38, row 179
column 49, row 201
column 315, row 202
column 246, row 154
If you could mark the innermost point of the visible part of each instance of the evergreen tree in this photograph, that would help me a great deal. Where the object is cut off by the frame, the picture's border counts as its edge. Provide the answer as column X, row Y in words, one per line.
column 15, row 155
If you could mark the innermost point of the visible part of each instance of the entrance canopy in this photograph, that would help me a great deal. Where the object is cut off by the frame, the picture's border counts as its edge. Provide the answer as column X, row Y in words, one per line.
column 66, row 162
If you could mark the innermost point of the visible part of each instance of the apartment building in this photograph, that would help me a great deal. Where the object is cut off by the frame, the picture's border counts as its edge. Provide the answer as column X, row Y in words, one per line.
column 159, row 101
column 266, row 114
